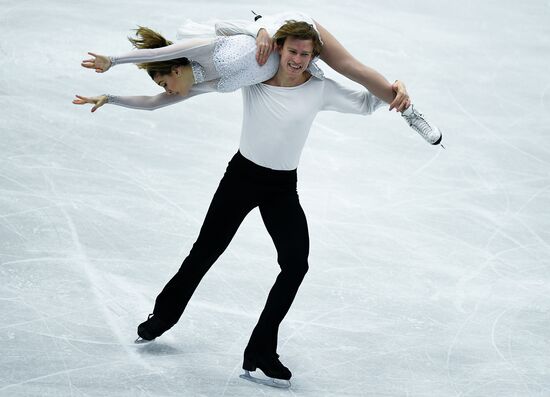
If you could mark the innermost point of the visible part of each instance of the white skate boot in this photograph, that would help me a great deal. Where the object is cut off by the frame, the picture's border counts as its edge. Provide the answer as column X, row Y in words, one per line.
column 418, row 122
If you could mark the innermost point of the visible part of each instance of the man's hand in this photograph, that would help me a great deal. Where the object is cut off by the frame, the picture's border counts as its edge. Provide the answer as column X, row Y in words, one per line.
column 97, row 101
column 100, row 63
column 264, row 46
column 401, row 100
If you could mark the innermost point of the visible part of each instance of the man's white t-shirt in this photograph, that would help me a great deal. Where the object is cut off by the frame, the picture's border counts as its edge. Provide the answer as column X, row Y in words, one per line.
column 277, row 120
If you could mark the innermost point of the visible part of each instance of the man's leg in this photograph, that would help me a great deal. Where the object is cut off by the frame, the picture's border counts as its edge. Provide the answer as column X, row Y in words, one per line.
column 285, row 221
column 231, row 203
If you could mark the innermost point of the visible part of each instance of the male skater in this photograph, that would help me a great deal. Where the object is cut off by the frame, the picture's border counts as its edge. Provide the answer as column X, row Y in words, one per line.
column 277, row 118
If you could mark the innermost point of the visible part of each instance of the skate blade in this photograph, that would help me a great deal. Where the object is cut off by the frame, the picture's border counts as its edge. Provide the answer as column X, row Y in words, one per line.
column 279, row 383
column 141, row 341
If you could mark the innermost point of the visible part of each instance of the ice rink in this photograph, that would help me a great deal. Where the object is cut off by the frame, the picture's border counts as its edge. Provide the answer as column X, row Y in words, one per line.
column 429, row 268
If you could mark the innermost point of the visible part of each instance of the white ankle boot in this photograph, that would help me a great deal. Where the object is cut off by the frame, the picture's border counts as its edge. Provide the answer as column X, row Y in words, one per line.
column 418, row 122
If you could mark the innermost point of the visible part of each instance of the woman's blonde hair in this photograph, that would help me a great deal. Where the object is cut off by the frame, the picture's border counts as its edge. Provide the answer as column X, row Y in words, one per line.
column 299, row 30
column 148, row 38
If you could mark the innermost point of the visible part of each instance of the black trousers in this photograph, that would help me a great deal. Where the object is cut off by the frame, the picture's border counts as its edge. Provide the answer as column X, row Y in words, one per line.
column 244, row 186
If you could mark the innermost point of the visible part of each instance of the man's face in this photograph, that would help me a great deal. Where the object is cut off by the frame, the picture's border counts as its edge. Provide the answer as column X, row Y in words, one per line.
column 295, row 56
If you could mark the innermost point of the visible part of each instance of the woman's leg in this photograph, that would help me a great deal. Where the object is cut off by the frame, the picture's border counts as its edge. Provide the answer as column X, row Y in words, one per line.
column 338, row 58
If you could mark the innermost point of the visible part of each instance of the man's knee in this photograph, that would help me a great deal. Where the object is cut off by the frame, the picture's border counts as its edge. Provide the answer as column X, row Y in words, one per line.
column 304, row 268
column 296, row 266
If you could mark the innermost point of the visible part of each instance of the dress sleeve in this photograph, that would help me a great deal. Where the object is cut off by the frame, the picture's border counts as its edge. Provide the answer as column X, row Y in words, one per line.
column 156, row 101
column 199, row 50
column 232, row 28
column 341, row 99
column 145, row 102
column 271, row 23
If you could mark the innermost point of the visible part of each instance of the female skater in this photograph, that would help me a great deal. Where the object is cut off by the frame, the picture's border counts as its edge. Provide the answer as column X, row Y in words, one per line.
column 222, row 64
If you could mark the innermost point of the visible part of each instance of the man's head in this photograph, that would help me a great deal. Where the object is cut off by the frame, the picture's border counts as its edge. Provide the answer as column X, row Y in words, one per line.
column 299, row 30
column 298, row 43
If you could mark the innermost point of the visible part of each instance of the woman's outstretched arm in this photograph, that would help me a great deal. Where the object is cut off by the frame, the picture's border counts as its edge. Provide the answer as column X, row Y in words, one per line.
column 133, row 102
column 199, row 50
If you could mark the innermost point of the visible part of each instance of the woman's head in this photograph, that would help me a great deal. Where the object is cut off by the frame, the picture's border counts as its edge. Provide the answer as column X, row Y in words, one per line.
column 168, row 73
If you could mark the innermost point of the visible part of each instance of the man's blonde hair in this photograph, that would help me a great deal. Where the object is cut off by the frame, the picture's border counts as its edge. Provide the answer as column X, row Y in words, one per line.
column 301, row 31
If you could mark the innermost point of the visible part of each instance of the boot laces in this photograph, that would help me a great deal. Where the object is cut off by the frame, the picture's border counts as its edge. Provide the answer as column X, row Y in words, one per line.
column 417, row 121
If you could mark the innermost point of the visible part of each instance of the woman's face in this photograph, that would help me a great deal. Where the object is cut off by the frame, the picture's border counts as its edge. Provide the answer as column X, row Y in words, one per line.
column 173, row 83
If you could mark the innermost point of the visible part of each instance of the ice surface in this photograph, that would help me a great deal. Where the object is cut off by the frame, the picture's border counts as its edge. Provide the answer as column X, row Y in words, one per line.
column 429, row 271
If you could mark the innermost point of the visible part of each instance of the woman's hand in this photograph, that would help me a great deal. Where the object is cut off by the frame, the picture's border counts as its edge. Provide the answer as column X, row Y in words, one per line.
column 401, row 100
column 97, row 101
column 264, row 46
column 100, row 63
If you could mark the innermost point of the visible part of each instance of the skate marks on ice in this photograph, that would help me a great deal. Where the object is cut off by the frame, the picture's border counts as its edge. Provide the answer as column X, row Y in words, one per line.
column 97, row 283
column 66, row 373
column 158, row 348
column 496, row 134
column 515, row 349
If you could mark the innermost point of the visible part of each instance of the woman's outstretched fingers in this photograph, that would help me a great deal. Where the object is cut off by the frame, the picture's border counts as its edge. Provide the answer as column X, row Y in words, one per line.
column 80, row 101
column 100, row 63
column 88, row 63
column 96, row 101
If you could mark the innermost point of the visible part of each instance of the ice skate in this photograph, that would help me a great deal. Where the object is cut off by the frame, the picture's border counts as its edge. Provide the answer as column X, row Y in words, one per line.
column 150, row 329
column 277, row 375
column 141, row 341
column 418, row 122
